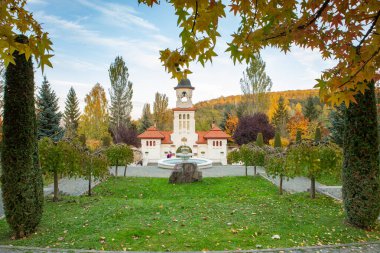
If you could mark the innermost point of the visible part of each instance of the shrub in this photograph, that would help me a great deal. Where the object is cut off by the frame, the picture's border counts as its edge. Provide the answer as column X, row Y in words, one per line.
column 277, row 140
column 284, row 142
column 260, row 140
column 250, row 126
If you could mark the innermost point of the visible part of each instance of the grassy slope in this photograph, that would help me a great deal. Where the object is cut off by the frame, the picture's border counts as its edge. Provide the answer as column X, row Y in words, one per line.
column 216, row 214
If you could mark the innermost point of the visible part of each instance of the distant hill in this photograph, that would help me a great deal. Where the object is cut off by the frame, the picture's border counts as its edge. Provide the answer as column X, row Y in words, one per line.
column 293, row 96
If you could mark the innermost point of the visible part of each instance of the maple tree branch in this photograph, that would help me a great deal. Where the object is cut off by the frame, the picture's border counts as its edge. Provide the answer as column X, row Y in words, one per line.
column 361, row 68
column 195, row 16
column 303, row 26
column 368, row 32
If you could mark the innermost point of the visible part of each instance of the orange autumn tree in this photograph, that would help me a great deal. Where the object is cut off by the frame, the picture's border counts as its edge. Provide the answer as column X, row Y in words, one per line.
column 94, row 122
column 231, row 124
column 297, row 122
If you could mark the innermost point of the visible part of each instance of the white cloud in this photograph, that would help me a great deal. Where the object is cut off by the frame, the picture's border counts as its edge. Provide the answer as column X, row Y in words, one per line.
column 120, row 15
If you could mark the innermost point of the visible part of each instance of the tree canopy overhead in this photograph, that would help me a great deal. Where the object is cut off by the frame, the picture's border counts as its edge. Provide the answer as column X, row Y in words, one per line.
column 14, row 19
column 346, row 31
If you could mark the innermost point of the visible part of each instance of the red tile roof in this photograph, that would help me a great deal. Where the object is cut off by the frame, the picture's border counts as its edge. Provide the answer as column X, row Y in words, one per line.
column 151, row 133
column 167, row 139
column 201, row 139
column 216, row 133
column 184, row 109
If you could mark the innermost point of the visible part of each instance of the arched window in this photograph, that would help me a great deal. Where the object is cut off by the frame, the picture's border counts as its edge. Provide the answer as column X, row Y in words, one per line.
column 180, row 116
column 147, row 143
column 150, row 143
column 188, row 116
column 220, row 143
column 154, row 143
column 213, row 143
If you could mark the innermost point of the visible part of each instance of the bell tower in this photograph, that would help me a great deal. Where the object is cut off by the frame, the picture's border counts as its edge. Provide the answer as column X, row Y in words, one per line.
column 184, row 92
column 184, row 115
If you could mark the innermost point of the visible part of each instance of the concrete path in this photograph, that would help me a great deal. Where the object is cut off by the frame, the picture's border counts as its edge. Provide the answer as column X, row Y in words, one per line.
column 371, row 247
column 72, row 187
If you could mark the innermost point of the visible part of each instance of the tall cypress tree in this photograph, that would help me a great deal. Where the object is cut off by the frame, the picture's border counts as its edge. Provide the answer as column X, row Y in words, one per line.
column 22, row 185
column 361, row 189
column 71, row 114
column 48, row 116
column 121, row 94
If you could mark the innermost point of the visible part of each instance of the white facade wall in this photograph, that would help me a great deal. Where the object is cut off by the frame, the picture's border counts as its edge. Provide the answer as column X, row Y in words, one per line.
column 216, row 152
column 151, row 150
column 184, row 128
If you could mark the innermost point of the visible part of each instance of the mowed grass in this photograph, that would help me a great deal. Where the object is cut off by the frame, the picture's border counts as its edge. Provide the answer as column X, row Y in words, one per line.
column 147, row 214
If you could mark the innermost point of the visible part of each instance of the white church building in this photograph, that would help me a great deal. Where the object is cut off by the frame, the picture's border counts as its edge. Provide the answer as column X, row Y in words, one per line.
column 156, row 144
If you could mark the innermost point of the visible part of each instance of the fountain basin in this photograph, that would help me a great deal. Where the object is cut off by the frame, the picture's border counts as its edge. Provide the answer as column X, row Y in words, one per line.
column 169, row 163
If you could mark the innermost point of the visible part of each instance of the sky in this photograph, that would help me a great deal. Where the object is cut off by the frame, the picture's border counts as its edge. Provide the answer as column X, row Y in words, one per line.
column 88, row 35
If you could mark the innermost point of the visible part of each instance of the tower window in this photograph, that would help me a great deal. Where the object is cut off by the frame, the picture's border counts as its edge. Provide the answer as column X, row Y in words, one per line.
column 180, row 116
column 188, row 116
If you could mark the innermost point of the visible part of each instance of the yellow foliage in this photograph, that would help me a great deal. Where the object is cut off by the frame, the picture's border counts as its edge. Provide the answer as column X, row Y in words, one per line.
column 273, row 105
column 94, row 122
column 231, row 124
column 93, row 144
column 297, row 122
column 284, row 142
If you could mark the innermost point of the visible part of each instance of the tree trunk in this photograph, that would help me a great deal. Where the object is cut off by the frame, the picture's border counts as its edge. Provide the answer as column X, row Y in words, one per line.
column 89, row 179
column 117, row 165
column 246, row 170
column 56, row 190
column 255, row 170
column 312, row 187
column 281, row 180
column 125, row 170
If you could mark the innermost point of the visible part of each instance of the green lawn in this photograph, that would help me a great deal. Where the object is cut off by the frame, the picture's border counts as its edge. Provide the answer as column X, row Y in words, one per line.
column 219, row 213
column 330, row 180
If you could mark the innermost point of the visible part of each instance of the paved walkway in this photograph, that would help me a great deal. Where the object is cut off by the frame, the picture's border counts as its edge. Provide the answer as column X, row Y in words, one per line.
column 372, row 247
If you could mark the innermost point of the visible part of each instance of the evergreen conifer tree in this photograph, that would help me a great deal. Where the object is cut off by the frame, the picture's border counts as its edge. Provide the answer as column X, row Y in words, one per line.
column 146, row 118
column 281, row 117
column 277, row 140
column 260, row 140
column 336, row 129
column 48, row 116
column 309, row 110
column 298, row 136
column 21, row 179
column 121, row 93
column 71, row 114
column 318, row 135
column 360, row 177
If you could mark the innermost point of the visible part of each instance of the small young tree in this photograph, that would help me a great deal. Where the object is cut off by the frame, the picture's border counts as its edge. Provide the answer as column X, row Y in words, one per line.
column 277, row 140
column 275, row 166
column 94, row 166
column 318, row 135
column 246, row 157
column 281, row 117
column 258, row 157
column 312, row 160
column 57, row 158
column 298, row 136
column 233, row 157
column 260, row 140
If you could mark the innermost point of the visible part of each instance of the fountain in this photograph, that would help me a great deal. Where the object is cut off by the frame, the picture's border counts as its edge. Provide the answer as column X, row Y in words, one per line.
column 185, row 171
column 185, row 156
